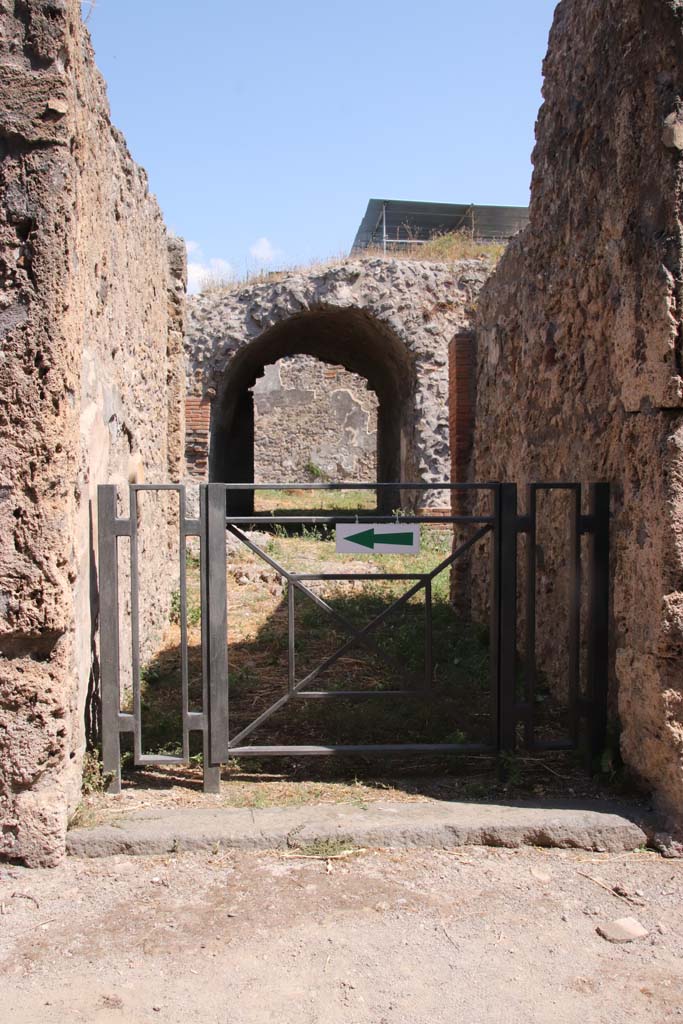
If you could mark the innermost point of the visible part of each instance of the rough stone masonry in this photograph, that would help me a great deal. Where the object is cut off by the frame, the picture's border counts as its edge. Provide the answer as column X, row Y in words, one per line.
column 388, row 321
column 580, row 333
column 313, row 422
column 91, row 379
column 580, row 368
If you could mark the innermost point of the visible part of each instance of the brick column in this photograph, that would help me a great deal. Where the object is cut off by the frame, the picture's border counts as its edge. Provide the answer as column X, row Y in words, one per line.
column 461, row 410
column 197, row 423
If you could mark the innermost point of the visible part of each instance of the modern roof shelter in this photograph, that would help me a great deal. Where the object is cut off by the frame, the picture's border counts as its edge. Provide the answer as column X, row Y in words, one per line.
column 393, row 222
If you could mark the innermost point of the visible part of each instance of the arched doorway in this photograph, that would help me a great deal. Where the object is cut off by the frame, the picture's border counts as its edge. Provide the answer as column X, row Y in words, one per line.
column 347, row 337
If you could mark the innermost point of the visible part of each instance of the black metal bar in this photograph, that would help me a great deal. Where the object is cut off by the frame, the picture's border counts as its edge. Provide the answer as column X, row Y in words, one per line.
column 574, row 691
column 530, row 668
column 211, row 774
column 109, row 633
column 358, row 576
column 333, row 520
column 294, row 579
column 377, row 748
column 151, row 759
column 217, row 612
column 291, row 628
column 556, row 744
column 598, row 617
column 508, row 709
column 368, row 642
column 429, row 666
column 338, row 486
column 263, row 717
column 358, row 635
column 184, row 670
column 135, row 624
column 459, row 552
column 355, row 694
column 156, row 487
column 399, row 602
column 508, row 616
column 494, row 623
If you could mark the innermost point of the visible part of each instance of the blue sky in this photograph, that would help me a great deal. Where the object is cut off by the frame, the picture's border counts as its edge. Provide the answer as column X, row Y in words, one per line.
column 266, row 127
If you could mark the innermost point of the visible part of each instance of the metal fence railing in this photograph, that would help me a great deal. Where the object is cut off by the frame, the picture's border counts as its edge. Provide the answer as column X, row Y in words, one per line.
column 513, row 676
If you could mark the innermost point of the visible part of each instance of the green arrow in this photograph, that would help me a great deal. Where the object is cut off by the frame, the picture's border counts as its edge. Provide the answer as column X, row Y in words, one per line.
column 368, row 538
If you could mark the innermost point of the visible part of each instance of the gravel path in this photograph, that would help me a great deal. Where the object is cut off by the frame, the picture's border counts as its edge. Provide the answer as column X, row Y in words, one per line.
column 402, row 937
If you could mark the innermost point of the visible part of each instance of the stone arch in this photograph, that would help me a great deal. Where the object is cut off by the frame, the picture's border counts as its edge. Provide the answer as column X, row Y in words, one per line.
column 387, row 320
column 348, row 337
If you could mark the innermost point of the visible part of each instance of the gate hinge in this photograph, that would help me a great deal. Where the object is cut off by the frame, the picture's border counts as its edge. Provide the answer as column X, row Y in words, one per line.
column 121, row 527
column 524, row 524
column 191, row 528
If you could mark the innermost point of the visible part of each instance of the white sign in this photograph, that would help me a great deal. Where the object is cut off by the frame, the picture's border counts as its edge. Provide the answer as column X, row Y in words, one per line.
column 378, row 538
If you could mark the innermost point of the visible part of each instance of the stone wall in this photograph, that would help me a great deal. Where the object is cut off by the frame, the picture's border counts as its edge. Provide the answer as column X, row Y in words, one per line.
column 91, row 378
column 388, row 320
column 310, row 416
column 579, row 343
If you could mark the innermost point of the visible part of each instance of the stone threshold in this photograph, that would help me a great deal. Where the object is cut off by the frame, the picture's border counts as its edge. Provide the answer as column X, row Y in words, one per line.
column 597, row 826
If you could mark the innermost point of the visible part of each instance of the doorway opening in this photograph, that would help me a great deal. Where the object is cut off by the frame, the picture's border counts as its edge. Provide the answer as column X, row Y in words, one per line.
column 346, row 341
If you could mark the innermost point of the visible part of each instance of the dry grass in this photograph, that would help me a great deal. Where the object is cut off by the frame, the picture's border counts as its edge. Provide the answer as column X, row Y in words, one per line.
column 445, row 248
column 291, row 500
column 258, row 672
column 258, row 626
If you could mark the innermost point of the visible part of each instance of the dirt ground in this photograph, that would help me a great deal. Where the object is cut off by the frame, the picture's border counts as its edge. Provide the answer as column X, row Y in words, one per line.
column 378, row 937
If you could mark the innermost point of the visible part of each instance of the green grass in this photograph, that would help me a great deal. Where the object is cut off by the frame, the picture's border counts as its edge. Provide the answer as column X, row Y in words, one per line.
column 456, row 710
column 291, row 500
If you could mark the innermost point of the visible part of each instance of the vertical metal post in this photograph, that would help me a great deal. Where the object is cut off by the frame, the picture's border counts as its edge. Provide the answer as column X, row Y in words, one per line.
column 575, row 615
column 291, row 652
column 384, row 228
column 217, row 625
column 530, row 653
column 212, row 776
column 507, row 697
column 135, row 625
column 598, row 617
column 109, row 633
column 184, row 667
column 494, row 619
column 429, row 665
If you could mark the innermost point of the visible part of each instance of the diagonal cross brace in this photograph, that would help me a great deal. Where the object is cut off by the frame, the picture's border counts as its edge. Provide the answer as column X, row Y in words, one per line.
column 297, row 584
column 358, row 635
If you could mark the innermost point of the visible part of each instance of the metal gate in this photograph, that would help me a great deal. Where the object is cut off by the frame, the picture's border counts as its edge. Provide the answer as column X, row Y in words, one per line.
column 513, row 679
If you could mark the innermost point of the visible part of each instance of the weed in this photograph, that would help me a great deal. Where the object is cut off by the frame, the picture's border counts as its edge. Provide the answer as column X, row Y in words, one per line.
column 511, row 769
column 95, row 780
column 315, row 472
column 448, row 247
column 84, row 816
column 193, row 607
column 150, row 673
column 314, row 532
column 326, row 847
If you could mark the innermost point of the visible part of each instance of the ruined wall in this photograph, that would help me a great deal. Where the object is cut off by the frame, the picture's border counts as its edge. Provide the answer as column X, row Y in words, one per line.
column 312, row 416
column 419, row 305
column 91, row 322
column 579, row 340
